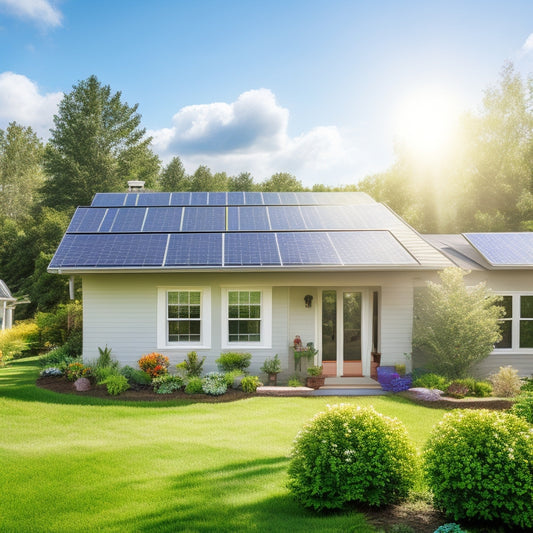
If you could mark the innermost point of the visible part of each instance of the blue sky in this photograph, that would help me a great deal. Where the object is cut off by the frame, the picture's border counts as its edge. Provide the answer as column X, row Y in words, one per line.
column 309, row 87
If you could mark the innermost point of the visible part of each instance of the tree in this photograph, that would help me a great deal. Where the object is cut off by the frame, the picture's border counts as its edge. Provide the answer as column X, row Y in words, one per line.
column 174, row 178
column 282, row 182
column 21, row 173
column 96, row 145
column 243, row 182
column 456, row 326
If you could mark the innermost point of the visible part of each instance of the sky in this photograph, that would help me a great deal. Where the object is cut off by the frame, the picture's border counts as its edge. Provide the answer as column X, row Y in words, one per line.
column 320, row 89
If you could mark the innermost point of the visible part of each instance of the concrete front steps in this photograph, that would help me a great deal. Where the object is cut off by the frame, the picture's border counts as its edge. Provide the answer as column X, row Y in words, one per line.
column 350, row 383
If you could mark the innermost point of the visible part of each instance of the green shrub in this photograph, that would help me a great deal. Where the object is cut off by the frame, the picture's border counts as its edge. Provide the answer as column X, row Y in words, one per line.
column 154, row 364
column 234, row 361
column 450, row 528
column 167, row 384
column 104, row 366
column 77, row 370
column 230, row 377
column 523, row 407
column 527, row 384
column 62, row 327
column 194, row 386
column 506, row 382
column 192, row 366
column 56, row 357
column 431, row 381
column 295, row 382
column 351, row 454
column 271, row 365
column 16, row 340
column 116, row 384
column 250, row 383
column 101, row 374
column 134, row 376
column 479, row 465
column 314, row 370
column 214, row 383
column 482, row 389
column 457, row 389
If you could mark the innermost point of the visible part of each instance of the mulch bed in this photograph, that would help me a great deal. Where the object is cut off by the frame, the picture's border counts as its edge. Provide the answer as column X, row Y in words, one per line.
column 494, row 404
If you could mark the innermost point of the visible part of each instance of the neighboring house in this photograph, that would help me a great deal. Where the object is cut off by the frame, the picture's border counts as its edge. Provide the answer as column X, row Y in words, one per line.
column 217, row 272
column 7, row 306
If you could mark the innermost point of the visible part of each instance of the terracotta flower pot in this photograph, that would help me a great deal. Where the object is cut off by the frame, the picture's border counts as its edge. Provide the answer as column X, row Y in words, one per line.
column 315, row 382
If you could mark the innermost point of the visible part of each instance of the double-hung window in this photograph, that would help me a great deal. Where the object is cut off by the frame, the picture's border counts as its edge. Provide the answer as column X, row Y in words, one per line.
column 517, row 324
column 183, row 317
column 246, row 317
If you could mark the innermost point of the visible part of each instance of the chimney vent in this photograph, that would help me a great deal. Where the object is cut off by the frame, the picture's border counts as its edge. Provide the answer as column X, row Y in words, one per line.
column 135, row 186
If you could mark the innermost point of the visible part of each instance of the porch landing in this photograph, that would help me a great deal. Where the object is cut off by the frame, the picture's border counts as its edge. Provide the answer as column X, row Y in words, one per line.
column 351, row 383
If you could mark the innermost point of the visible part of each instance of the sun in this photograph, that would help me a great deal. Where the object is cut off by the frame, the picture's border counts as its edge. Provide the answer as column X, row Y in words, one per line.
column 426, row 124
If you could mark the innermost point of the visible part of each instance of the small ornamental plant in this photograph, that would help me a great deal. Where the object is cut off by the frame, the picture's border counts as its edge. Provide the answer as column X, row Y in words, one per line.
column 506, row 382
column 351, row 454
column 167, row 384
column 154, row 364
column 75, row 371
column 214, row 383
column 523, row 407
column 250, row 383
column 479, row 466
column 116, row 384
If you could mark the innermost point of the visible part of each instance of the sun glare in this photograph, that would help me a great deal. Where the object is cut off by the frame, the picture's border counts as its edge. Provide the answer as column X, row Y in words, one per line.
column 426, row 123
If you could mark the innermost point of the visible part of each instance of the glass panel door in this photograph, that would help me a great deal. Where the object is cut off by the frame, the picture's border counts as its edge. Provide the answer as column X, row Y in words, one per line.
column 351, row 310
column 329, row 332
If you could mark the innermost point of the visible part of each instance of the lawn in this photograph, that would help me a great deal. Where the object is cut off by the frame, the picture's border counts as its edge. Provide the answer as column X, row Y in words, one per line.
column 71, row 463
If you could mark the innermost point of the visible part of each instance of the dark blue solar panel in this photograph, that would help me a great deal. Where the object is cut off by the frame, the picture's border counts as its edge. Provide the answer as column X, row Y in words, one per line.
column 108, row 199
column 204, row 219
column 501, row 249
column 194, row 249
column 199, row 198
column 129, row 219
column 370, row 248
column 302, row 248
column 180, row 198
column 235, row 198
column 288, row 198
column 131, row 199
column 110, row 250
column 86, row 220
column 217, row 198
column 163, row 220
column 249, row 249
column 154, row 198
column 253, row 198
column 248, row 218
column 271, row 198
column 109, row 218
column 327, row 217
column 286, row 218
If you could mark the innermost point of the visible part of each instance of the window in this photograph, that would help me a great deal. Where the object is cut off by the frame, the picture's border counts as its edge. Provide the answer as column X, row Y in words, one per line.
column 247, row 317
column 517, row 325
column 183, row 317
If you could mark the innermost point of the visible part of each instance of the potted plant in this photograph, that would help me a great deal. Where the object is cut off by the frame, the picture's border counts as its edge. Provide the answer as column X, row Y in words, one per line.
column 300, row 351
column 315, row 379
column 272, row 367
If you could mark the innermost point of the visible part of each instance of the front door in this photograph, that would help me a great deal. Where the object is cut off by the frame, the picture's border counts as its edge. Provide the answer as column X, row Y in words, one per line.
column 342, row 341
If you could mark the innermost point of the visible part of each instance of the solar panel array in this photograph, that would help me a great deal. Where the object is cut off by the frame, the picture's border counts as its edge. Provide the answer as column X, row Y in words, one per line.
column 205, row 230
column 504, row 249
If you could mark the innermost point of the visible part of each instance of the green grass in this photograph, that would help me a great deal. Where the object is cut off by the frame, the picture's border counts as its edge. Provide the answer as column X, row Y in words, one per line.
column 69, row 463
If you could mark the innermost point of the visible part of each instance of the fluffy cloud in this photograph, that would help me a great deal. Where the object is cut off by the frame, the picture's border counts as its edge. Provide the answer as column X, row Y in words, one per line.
column 21, row 101
column 528, row 45
column 40, row 11
column 250, row 134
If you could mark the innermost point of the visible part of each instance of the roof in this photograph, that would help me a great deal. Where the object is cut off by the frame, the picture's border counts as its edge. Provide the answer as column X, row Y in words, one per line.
column 5, row 294
column 487, row 251
column 180, row 231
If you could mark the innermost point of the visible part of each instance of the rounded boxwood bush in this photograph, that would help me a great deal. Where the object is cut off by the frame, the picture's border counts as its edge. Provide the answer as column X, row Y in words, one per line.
column 351, row 454
column 479, row 465
column 523, row 407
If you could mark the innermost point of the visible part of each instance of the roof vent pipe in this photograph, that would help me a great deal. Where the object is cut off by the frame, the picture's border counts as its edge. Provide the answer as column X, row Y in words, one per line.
column 134, row 186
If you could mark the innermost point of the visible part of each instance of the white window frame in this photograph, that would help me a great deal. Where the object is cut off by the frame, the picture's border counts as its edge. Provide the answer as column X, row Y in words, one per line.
column 515, row 323
column 205, row 319
column 266, row 319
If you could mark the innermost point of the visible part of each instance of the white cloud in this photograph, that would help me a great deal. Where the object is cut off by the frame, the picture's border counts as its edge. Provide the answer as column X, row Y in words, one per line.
column 528, row 45
column 251, row 134
column 21, row 101
column 40, row 11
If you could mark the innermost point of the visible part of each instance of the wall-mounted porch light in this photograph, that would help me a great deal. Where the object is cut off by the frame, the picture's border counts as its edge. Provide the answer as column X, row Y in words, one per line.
column 308, row 299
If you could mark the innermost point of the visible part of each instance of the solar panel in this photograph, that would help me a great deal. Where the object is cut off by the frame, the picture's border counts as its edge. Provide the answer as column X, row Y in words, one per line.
column 180, row 198
column 217, row 198
column 504, row 249
column 128, row 219
column 108, row 199
column 271, row 198
column 162, row 219
column 131, row 199
column 235, row 198
column 250, row 249
column 86, row 220
column 204, row 219
column 110, row 250
column 154, row 198
column 199, row 198
column 302, row 248
column 288, row 198
column 109, row 219
column 194, row 249
column 370, row 248
column 248, row 218
column 253, row 198
column 286, row 218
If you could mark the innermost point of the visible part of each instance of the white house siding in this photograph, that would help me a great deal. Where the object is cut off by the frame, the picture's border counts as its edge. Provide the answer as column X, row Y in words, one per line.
column 120, row 312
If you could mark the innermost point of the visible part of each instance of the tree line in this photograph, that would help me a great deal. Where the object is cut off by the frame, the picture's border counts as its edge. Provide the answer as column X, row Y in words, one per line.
column 97, row 144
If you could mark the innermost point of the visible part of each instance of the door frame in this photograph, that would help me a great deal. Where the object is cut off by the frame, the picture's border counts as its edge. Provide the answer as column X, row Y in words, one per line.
column 366, row 326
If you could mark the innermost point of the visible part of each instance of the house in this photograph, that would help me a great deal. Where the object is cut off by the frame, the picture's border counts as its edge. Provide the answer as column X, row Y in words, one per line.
column 216, row 272
column 7, row 306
